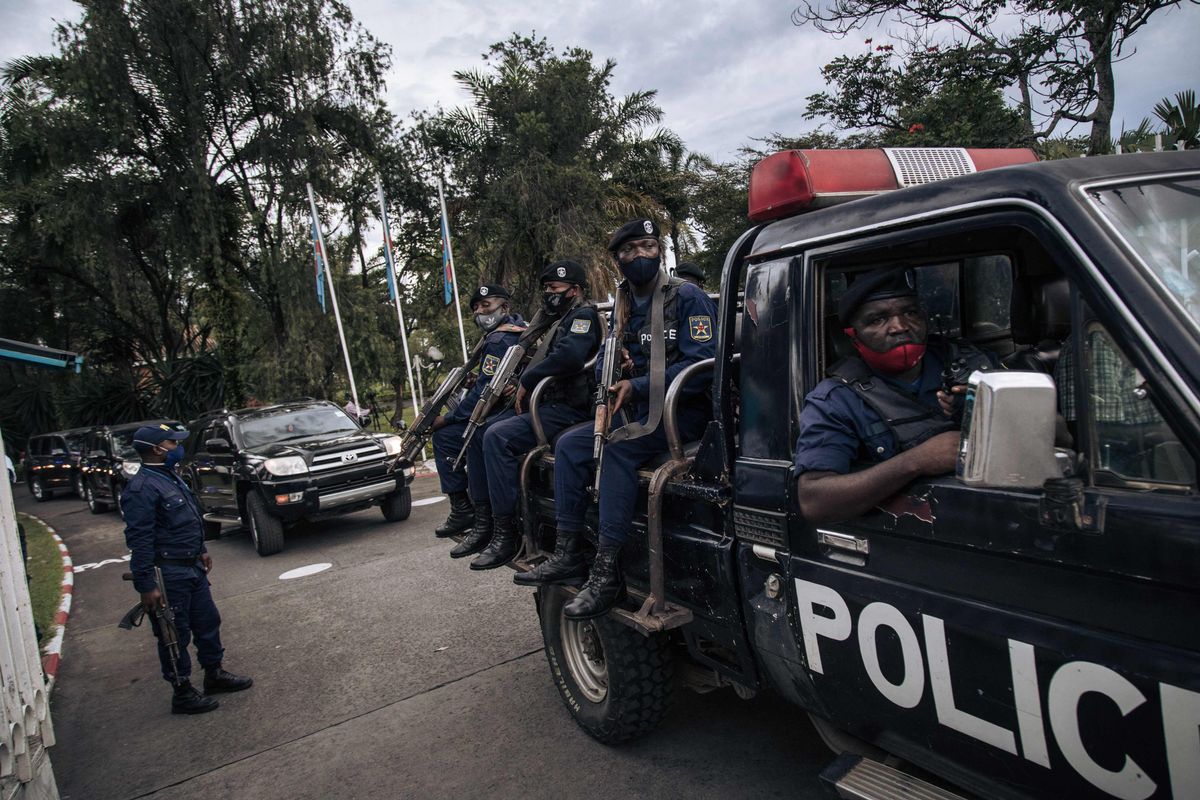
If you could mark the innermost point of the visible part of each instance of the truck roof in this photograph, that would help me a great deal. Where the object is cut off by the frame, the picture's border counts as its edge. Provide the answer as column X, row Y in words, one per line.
column 1045, row 183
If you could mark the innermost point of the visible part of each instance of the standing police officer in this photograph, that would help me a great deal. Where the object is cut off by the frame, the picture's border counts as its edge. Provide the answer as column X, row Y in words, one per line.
column 690, row 272
column 163, row 528
column 571, row 338
column 686, row 315
column 501, row 328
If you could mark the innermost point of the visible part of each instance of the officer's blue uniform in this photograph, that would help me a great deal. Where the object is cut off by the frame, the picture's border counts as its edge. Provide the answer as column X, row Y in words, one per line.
column 163, row 526
column 510, row 436
column 573, row 465
column 448, row 440
column 838, row 429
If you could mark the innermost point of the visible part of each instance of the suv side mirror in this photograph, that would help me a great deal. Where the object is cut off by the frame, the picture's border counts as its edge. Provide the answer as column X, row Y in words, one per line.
column 1008, row 430
column 218, row 446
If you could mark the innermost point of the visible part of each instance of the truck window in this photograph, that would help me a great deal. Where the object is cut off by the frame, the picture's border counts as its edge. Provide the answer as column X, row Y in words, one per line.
column 765, row 346
column 1130, row 441
column 987, row 299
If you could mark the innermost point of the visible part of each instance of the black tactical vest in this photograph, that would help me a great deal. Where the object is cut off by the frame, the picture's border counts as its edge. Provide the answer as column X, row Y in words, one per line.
column 572, row 390
column 908, row 420
column 635, row 339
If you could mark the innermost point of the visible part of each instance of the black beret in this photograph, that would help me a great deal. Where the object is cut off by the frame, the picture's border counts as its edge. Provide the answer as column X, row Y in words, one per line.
column 879, row 284
column 565, row 270
column 634, row 229
column 488, row 290
column 688, row 268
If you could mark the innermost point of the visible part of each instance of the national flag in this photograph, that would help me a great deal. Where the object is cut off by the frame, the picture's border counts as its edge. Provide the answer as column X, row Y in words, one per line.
column 318, row 262
column 447, row 264
column 387, row 254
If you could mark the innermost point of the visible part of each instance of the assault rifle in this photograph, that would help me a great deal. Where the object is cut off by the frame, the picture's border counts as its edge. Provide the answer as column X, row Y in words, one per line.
column 414, row 438
column 163, row 615
column 506, row 378
column 609, row 375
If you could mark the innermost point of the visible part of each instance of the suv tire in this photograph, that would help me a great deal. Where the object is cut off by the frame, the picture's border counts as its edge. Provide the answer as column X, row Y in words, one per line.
column 39, row 491
column 80, row 486
column 396, row 507
column 616, row 683
column 94, row 505
column 265, row 531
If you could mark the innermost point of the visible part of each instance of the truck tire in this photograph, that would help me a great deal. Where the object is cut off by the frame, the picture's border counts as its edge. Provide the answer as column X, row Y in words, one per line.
column 265, row 531
column 396, row 507
column 39, row 490
column 95, row 506
column 616, row 683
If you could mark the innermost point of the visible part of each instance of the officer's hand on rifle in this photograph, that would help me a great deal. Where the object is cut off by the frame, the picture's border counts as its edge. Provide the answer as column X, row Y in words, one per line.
column 206, row 561
column 151, row 600
column 519, row 400
column 439, row 422
column 508, row 391
column 620, row 391
column 626, row 361
column 947, row 400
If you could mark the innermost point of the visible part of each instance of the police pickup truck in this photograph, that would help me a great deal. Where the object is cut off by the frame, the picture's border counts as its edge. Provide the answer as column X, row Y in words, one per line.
column 1029, row 627
column 272, row 466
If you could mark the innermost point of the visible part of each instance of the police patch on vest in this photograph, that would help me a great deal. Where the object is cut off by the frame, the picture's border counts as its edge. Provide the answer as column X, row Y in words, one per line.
column 581, row 326
column 489, row 364
column 700, row 328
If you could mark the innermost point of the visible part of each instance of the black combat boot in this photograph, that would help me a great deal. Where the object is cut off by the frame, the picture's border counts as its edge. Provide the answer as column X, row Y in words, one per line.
column 502, row 548
column 604, row 588
column 217, row 680
column 566, row 566
column 479, row 536
column 187, row 700
column 461, row 518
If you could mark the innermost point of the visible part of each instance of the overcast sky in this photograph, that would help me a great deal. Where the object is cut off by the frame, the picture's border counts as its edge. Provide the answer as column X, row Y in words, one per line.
column 725, row 71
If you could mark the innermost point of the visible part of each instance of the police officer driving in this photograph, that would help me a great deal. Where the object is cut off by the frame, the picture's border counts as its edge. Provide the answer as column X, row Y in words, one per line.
column 501, row 328
column 163, row 529
column 665, row 324
column 884, row 406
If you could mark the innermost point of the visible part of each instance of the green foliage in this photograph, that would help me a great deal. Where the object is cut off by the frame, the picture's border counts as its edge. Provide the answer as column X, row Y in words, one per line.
column 1181, row 118
column 43, row 566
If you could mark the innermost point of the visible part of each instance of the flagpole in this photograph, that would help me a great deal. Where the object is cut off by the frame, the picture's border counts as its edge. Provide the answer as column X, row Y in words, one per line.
column 337, row 315
column 394, row 288
column 462, row 334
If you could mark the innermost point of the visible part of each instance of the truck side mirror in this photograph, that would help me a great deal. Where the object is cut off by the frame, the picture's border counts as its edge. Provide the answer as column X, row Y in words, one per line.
column 1008, row 430
column 218, row 446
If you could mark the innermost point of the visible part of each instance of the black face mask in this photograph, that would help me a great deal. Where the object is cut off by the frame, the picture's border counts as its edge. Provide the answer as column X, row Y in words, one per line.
column 555, row 302
column 641, row 270
column 489, row 322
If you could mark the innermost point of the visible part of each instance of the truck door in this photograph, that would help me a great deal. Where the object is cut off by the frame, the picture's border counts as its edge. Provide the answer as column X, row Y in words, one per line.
column 969, row 630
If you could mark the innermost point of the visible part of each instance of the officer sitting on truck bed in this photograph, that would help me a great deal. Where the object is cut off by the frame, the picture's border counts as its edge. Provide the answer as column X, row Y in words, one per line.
column 687, row 337
column 884, row 406
column 570, row 340
column 502, row 328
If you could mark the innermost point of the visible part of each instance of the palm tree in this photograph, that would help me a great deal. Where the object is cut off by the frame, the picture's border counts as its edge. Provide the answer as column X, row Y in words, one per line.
column 1181, row 118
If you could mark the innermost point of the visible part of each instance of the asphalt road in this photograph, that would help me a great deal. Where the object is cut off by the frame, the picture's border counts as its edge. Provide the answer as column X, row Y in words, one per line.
column 395, row 673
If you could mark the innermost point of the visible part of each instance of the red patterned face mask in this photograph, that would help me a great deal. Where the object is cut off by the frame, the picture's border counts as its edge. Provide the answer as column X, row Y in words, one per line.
column 897, row 361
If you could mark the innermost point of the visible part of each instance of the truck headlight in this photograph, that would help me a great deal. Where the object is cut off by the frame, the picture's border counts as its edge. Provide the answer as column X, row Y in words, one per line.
column 286, row 465
column 130, row 468
column 391, row 444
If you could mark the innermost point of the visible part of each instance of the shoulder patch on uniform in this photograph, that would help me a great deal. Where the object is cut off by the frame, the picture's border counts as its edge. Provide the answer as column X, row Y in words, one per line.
column 581, row 326
column 489, row 364
column 700, row 328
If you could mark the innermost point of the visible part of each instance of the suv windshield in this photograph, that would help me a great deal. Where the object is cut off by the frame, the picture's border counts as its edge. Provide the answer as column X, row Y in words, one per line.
column 290, row 423
column 123, row 444
column 75, row 442
column 1160, row 220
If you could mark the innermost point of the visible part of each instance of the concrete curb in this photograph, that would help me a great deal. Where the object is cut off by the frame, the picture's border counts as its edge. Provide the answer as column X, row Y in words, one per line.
column 52, row 652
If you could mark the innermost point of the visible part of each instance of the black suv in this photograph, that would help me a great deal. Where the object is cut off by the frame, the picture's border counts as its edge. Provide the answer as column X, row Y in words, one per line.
column 52, row 463
column 109, row 460
column 271, row 466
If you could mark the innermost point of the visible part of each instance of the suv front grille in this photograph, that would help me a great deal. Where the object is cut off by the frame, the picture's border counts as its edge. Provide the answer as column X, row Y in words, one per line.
column 358, row 455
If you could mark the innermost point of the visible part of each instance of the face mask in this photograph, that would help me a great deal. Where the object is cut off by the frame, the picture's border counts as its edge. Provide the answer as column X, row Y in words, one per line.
column 641, row 270
column 173, row 456
column 554, row 302
column 898, row 360
column 488, row 322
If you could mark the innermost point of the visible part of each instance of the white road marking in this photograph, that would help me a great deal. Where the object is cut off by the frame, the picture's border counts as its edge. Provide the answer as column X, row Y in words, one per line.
column 305, row 571
column 428, row 501
column 105, row 562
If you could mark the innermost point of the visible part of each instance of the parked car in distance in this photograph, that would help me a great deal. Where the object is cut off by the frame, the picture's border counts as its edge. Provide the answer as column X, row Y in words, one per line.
column 110, row 460
column 52, row 463
column 271, row 466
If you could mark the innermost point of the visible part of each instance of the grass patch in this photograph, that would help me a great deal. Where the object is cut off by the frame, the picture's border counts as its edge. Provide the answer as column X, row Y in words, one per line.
column 44, row 567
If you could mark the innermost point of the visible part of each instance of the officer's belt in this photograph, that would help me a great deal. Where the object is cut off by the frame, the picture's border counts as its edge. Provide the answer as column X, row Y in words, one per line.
column 176, row 562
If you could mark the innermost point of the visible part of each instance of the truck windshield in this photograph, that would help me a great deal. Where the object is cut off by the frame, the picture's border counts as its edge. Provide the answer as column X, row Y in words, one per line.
column 1160, row 220
column 294, row 423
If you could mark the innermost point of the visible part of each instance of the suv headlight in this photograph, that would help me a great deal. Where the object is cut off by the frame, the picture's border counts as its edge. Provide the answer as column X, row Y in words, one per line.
column 285, row 465
column 391, row 444
column 130, row 468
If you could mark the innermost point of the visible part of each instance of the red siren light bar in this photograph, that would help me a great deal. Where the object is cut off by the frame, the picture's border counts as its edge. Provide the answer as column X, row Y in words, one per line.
column 792, row 181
